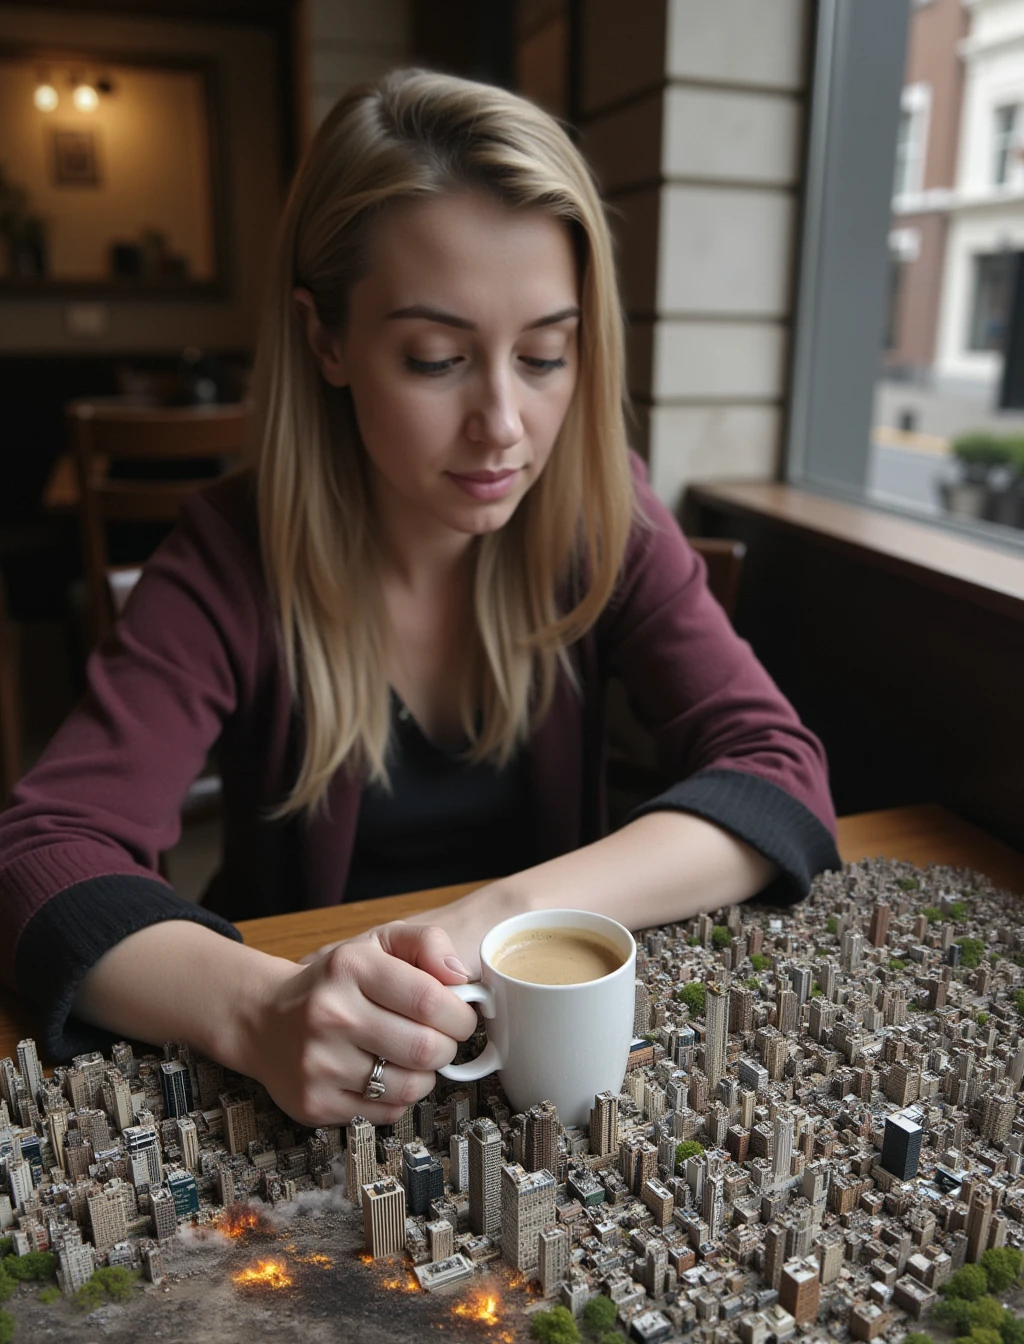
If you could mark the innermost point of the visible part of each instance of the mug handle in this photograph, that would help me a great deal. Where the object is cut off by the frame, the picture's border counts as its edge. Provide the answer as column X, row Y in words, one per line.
column 487, row 1060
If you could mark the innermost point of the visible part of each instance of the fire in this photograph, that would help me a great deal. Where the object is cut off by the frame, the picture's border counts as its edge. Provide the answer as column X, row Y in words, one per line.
column 316, row 1258
column 267, row 1274
column 397, row 1283
column 239, row 1219
column 483, row 1308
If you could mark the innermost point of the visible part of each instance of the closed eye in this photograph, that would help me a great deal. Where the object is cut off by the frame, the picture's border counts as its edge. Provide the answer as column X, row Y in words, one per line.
column 543, row 365
column 431, row 367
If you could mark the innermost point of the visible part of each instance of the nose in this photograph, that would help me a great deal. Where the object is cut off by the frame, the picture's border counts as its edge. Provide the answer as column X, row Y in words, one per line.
column 494, row 418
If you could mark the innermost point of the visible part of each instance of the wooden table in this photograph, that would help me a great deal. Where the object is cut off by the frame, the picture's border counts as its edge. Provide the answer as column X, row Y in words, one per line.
column 920, row 835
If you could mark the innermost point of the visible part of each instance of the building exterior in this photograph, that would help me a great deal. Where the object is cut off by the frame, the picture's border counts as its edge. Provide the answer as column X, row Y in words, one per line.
column 361, row 1157
column 541, row 1138
column 484, row 1139
column 239, row 1121
column 384, row 1217
column 142, row 1145
column 782, row 1146
column 458, row 1161
column 30, row 1068
column 553, row 1246
column 716, row 1017
column 165, row 1218
column 604, row 1124
column 800, row 1290
column 176, row 1084
column 901, row 1144
column 527, row 1207
column 107, row 1216
column 184, row 1192
column 422, row 1176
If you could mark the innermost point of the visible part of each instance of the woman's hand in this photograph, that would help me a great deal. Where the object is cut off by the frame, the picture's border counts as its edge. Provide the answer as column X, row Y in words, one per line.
column 323, row 1026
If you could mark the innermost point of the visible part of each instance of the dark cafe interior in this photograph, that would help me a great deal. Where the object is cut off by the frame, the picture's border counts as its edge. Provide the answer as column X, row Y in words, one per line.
column 817, row 209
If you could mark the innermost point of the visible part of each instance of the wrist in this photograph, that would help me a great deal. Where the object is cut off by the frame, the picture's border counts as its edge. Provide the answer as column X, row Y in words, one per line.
column 238, row 1037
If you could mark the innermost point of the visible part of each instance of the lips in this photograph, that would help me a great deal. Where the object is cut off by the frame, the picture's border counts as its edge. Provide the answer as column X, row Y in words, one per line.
column 485, row 485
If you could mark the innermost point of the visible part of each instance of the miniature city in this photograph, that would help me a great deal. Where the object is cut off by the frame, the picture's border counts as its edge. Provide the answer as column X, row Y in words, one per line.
column 812, row 1151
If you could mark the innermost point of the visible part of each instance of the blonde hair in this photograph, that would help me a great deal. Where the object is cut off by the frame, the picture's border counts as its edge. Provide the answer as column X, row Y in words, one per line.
column 540, row 581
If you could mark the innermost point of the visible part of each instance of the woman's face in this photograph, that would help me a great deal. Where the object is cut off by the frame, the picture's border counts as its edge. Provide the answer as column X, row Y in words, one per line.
column 460, row 353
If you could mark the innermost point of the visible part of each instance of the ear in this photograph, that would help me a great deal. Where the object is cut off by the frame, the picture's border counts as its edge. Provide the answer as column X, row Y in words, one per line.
column 325, row 348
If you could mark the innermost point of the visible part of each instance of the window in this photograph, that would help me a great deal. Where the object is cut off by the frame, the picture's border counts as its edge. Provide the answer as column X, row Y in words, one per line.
column 993, row 280
column 1005, row 143
column 899, row 349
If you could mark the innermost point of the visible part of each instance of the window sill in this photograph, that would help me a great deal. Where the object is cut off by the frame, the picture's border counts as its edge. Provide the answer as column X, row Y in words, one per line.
column 963, row 568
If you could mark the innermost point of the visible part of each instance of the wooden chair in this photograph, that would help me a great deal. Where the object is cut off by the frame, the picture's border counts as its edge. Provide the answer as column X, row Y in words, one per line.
column 106, row 436
column 634, row 771
column 10, row 705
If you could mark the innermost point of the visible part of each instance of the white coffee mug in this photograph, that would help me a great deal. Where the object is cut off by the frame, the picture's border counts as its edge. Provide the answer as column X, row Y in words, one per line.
column 560, row 1043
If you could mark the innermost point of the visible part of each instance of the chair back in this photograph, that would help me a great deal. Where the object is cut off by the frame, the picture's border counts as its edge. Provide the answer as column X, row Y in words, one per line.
column 104, row 435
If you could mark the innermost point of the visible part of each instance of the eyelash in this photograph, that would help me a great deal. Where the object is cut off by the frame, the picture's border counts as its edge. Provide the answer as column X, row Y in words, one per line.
column 434, row 368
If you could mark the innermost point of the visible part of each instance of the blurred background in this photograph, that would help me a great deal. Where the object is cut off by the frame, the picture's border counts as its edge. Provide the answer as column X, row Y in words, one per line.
column 819, row 213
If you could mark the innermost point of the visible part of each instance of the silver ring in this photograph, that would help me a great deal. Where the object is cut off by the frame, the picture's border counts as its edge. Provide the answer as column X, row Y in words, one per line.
column 375, row 1088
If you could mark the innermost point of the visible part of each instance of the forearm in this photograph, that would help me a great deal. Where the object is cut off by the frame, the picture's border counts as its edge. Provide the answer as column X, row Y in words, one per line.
column 180, row 981
column 663, row 867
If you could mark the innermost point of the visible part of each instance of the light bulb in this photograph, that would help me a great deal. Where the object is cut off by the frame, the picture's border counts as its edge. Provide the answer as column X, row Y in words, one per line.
column 45, row 97
column 85, row 98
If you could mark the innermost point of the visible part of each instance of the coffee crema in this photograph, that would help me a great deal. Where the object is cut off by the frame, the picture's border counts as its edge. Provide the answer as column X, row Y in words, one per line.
column 557, row 956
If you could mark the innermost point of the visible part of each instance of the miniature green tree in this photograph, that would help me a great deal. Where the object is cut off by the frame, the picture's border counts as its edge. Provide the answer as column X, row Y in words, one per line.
column 6, row 1246
column 895, row 964
column 599, row 1315
column 688, row 1148
column 908, row 883
column 7, row 1284
column 981, row 1019
column 971, row 950
column 956, row 1312
column 832, row 924
column 932, row 914
column 1018, row 1001
column 958, row 910
column 6, row 1327
column 1012, row 1329
column 48, row 1295
column 692, row 995
column 1002, row 1267
column 752, row 982
column 759, row 961
column 555, row 1326
column 116, row 1282
column 981, row 1334
column 987, row 1314
column 968, row 1283
column 35, row 1265
column 720, row 936
column 917, row 1337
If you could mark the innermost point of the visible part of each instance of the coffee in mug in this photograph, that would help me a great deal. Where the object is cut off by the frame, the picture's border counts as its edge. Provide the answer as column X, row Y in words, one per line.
column 557, row 956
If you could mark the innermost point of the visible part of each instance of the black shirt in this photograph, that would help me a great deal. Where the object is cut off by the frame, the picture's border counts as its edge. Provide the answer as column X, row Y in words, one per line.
column 444, row 820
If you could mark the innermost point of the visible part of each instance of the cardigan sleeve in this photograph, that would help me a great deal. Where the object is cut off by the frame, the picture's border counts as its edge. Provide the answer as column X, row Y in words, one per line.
column 80, row 842
column 730, row 741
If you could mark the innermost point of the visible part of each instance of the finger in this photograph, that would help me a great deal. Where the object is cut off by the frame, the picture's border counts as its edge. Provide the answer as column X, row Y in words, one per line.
column 411, row 993
column 310, row 957
column 427, row 946
column 408, row 1045
column 401, row 1086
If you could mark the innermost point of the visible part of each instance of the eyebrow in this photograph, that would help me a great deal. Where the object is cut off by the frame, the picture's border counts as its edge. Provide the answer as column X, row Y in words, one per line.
column 429, row 314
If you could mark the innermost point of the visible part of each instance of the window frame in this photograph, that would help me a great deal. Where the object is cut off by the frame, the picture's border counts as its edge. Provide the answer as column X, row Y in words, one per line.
column 1004, row 142
column 856, row 83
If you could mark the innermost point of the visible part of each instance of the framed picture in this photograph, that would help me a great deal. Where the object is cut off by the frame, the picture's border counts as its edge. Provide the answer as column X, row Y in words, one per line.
column 74, row 159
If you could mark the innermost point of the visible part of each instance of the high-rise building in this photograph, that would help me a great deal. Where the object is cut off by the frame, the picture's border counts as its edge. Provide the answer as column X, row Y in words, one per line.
column 800, row 979
column 484, row 1139
column 239, row 1120
column 997, row 1112
column 604, row 1124
column 979, row 1216
column 713, row 1204
column 901, row 1144
column 638, row 1162
column 541, row 1137
column 782, row 1146
column 143, row 1148
column 188, row 1141
column 117, row 1098
column 716, row 1018
column 786, row 1007
column 878, row 929
column 107, row 1216
column 553, row 1257
column 641, row 1009
column 655, row 1268
column 422, row 1176
column 165, row 1218
column 440, row 1239
column 361, row 1157
column 75, row 1261
column 852, row 949
column 184, row 1191
column 741, row 1010
column 19, row 1179
column 384, row 1216
column 800, row 1290
column 458, row 1162
column 31, row 1069
column 176, row 1084
column 774, row 1254
column 527, row 1207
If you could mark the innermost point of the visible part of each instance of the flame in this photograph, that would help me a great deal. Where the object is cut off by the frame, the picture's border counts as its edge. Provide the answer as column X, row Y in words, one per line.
column 316, row 1258
column 483, row 1307
column 239, row 1219
column 398, row 1283
column 267, row 1274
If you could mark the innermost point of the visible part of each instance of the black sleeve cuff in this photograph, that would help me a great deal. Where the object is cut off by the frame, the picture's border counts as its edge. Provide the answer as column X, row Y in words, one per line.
column 766, row 817
column 70, row 934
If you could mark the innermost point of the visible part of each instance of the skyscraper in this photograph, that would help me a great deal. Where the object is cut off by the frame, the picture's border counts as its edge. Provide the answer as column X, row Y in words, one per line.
column 176, row 1084
column 604, row 1124
column 979, row 1216
column 879, row 928
column 786, row 1011
column 901, row 1144
column 31, row 1069
column 361, row 1157
column 165, row 1218
column 716, row 1017
column 541, row 1140
column 782, row 1146
column 484, row 1138
column 143, row 1148
column 527, row 1207
column 553, row 1257
column 641, row 1009
column 800, row 1290
column 422, row 1176
column 384, row 1216
column 458, row 1158
column 188, row 1141
column 239, row 1121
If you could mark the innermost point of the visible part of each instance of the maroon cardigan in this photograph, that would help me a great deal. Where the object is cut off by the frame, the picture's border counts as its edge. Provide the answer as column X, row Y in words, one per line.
column 196, row 660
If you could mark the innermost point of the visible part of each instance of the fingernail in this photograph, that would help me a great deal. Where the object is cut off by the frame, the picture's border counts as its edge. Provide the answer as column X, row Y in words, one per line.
column 454, row 964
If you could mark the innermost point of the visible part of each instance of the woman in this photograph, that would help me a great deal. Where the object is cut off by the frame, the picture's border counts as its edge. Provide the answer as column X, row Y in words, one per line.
column 399, row 626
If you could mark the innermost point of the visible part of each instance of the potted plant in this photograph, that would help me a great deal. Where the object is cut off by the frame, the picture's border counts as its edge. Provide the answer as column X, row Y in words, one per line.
column 987, row 464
